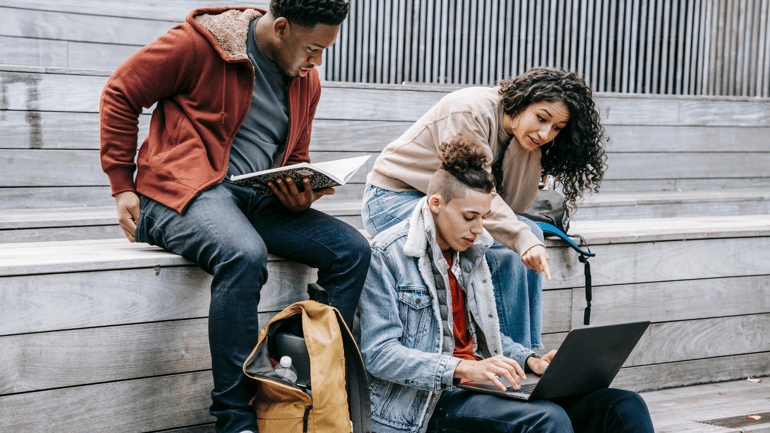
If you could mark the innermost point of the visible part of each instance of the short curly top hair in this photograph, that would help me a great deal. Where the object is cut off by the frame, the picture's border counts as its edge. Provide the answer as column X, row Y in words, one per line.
column 308, row 13
column 575, row 158
column 462, row 167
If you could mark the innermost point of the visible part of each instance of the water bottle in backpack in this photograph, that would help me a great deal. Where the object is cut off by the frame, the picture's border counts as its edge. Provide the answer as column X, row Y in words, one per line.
column 286, row 370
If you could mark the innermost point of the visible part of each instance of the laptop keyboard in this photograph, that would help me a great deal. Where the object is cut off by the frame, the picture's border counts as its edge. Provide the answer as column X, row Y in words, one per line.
column 526, row 389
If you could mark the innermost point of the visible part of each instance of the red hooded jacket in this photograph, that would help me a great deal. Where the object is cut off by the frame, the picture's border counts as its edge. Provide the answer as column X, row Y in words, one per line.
column 201, row 78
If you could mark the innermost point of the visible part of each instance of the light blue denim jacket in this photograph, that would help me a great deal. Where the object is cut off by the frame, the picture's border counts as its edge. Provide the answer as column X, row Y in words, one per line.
column 400, row 325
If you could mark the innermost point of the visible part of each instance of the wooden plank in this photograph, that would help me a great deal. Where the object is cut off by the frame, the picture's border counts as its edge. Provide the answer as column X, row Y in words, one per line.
column 50, row 92
column 604, row 206
column 159, row 293
column 681, row 184
column 136, row 405
column 609, row 199
column 663, row 110
column 679, row 373
column 57, row 234
column 16, row 198
column 57, row 217
column 704, row 338
column 45, row 92
column 686, row 373
column 63, row 54
column 675, row 229
column 62, row 130
column 66, row 167
column 355, row 135
column 83, row 167
column 40, row 361
column 637, row 138
column 661, row 261
column 654, row 260
column 184, row 349
column 33, row 52
column 673, row 300
column 556, row 305
column 687, row 165
column 126, row 296
column 82, row 28
column 174, row 10
column 59, row 130
column 673, row 208
column 62, row 168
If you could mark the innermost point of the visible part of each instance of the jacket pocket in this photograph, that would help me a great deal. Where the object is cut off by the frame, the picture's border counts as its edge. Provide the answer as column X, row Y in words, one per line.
column 414, row 303
column 397, row 405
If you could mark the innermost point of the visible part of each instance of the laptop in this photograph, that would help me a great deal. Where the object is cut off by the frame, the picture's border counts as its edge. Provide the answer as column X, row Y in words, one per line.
column 588, row 359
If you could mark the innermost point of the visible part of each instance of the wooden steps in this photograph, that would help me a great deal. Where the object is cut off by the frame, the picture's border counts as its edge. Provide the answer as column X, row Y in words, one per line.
column 94, row 325
column 100, row 222
column 659, row 143
column 674, row 204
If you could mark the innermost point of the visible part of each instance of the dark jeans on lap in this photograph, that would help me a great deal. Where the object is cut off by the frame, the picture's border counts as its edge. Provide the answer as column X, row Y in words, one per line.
column 606, row 410
column 228, row 231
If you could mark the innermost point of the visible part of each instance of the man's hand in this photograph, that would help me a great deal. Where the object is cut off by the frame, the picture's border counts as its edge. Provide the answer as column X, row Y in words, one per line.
column 488, row 370
column 287, row 192
column 128, row 212
column 538, row 365
column 536, row 258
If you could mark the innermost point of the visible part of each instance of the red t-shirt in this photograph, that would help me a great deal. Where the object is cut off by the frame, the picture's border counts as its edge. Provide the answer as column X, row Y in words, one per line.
column 463, row 338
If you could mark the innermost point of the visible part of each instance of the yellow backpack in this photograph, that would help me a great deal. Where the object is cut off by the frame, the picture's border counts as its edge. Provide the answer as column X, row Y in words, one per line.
column 340, row 393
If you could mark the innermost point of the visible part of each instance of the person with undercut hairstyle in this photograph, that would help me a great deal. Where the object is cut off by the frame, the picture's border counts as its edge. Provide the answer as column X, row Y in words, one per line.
column 542, row 123
column 236, row 92
column 428, row 321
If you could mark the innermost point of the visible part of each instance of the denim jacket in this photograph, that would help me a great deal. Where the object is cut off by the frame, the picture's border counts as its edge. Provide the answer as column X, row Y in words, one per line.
column 400, row 323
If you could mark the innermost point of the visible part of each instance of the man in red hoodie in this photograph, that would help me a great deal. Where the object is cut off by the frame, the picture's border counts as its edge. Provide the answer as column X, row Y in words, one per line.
column 236, row 91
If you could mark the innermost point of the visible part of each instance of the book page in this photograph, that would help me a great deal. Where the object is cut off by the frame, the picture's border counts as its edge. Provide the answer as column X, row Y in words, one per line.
column 342, row 169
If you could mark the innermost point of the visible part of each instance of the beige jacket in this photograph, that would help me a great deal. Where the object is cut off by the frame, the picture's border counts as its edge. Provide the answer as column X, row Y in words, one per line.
column 408, row 163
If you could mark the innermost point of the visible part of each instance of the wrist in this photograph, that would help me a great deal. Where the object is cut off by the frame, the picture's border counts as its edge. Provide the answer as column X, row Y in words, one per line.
column 532, row 358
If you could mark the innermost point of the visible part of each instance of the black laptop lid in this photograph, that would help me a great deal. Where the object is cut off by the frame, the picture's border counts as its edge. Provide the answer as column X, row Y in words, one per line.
column 588, row 359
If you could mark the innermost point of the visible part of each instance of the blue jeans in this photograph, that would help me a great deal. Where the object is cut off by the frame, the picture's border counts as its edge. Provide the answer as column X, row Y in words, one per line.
column 518, row 290
column 228, row 231
column 604, row 411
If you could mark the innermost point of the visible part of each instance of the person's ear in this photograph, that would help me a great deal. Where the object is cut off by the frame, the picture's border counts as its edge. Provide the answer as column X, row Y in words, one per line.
column 435, row 202
column 281, row 28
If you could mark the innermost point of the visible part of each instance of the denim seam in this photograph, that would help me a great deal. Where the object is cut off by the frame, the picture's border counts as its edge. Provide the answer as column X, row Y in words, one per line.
column 156, row 228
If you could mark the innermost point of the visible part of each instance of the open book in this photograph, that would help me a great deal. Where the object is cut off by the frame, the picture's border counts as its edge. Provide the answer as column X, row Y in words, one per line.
column 322, row 174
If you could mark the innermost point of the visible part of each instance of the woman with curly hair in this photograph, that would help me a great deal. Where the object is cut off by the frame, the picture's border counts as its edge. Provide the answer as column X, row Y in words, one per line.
column 543, row 122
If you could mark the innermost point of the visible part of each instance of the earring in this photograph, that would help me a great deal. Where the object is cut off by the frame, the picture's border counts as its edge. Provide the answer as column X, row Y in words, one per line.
column 515, row 114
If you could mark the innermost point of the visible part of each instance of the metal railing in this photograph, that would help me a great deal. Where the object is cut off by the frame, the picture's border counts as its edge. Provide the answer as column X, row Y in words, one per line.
column 692, row 47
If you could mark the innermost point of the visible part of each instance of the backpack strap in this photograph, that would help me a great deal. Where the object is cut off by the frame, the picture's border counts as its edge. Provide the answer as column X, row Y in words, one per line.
column 356, row 381
column 317, row 293
column 551, row 230
column 357, row 385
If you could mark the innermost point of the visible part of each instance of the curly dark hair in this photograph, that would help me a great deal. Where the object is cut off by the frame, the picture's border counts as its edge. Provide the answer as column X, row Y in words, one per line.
column 463, row 161
column 575, row 158
column 308, row 13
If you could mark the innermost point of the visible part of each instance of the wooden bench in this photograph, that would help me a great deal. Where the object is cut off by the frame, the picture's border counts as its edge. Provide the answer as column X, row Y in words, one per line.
column 91, row 326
